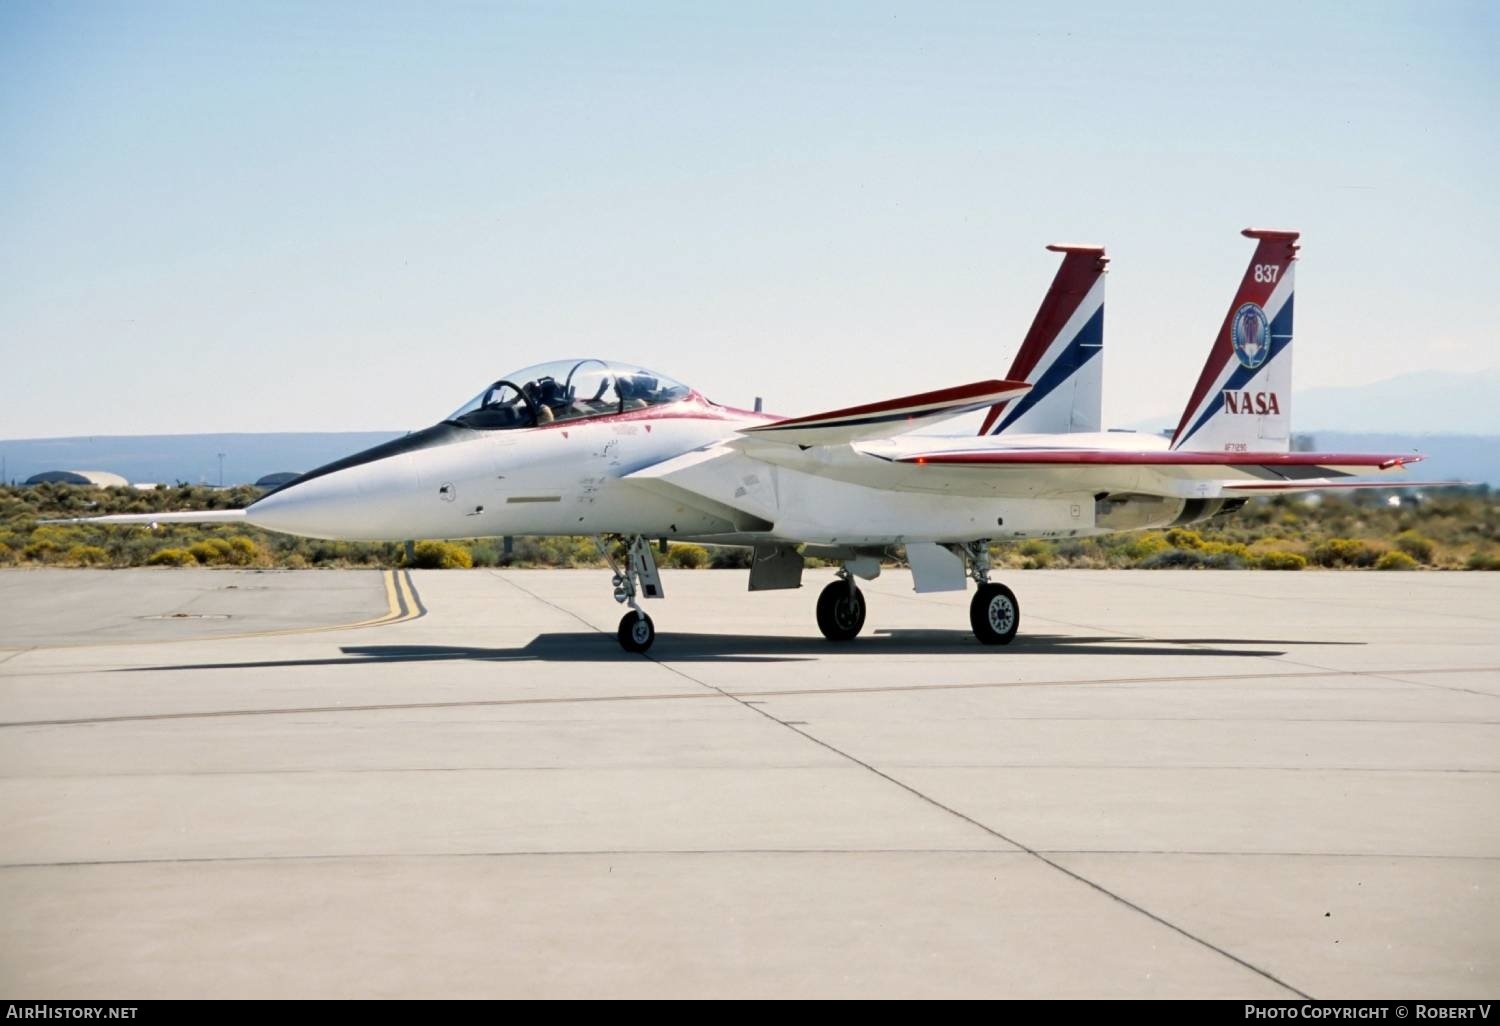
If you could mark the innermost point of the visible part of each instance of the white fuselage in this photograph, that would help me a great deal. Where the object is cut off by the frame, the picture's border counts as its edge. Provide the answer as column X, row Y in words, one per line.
column 574, row 478
column 561, row 479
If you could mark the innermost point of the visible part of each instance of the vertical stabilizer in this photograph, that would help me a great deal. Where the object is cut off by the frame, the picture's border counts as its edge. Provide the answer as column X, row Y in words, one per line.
column 1062, row 356
column 1243, row 399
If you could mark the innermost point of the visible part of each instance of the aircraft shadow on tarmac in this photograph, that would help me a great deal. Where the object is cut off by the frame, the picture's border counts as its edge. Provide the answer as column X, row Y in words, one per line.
column 598, row 647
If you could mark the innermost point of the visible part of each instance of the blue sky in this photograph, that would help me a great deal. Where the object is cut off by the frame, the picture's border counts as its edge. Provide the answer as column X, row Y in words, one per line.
column 296, row 216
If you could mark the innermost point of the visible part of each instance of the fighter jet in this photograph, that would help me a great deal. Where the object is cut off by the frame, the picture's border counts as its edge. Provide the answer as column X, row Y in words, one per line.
column 594, row 447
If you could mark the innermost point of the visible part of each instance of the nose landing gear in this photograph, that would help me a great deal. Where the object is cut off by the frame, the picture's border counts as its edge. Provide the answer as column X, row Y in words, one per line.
column 636, row 632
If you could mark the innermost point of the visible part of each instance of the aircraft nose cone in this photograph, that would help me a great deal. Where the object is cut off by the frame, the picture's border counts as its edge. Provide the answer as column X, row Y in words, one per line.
column 363, row 497
column 317, row 507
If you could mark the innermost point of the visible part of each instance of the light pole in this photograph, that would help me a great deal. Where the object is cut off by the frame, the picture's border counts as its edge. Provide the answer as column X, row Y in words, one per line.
column 221, row 470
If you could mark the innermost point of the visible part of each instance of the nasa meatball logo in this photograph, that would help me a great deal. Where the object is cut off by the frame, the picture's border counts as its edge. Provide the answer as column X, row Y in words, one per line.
column 1252, row 335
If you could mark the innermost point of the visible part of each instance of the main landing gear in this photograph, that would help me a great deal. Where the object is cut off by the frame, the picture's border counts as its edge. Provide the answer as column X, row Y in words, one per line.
column 841, row 609
column 636, row 632
column 994, row 612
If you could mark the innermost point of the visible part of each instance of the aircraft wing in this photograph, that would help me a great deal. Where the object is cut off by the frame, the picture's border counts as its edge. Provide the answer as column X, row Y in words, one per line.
column 888, row 418
column 719, row 481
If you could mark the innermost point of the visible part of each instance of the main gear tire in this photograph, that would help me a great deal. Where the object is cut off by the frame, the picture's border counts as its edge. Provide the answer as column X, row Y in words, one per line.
column 994, row 614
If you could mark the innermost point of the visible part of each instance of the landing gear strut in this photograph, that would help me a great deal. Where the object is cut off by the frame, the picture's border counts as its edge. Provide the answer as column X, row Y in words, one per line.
column 994, row 612
column 636, row 631
column 841, row 609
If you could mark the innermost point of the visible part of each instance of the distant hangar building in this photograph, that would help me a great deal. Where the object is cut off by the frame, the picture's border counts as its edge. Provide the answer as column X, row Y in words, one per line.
column 97, row 478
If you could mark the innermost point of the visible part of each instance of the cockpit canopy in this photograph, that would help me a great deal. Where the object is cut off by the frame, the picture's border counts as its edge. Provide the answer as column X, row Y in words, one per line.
column 566, row 390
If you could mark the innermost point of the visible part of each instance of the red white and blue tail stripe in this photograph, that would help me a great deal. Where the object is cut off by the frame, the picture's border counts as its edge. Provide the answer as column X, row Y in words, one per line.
column 1062, row 355
column 1242, row 402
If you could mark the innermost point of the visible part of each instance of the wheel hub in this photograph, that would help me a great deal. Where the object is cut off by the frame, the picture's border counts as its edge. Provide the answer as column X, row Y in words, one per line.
column 1002, row 614
column 846, row 612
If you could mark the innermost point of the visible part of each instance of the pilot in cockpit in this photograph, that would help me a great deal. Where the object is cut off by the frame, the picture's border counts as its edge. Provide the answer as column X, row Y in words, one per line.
column 636, row 390
column 544, row 395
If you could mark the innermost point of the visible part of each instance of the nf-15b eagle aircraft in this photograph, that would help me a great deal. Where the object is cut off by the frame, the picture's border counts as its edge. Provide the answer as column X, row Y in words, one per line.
column 592, row 447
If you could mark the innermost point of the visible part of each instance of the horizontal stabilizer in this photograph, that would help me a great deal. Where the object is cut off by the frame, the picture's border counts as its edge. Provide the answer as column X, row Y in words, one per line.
column 885, row 419
column 205, row 516
column 1321, row 484
column 1292, row 462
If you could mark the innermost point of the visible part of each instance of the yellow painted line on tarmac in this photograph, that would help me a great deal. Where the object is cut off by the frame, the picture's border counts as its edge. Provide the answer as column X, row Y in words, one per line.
column 402, row 605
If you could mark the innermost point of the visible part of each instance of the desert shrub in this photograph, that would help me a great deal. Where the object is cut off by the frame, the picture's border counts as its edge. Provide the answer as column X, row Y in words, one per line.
column 581, row 550
column 1144, row 546
column 561, row 550
column 486, row 554
column 1415, row 545
column 1073, row 548
column 43, row 551
column 1218, row 548
column 244, row 552
column 687, row 557
column 211, row 551
column 7, row 554
column 172, row 557
column 1345, row 552
column 1085, row 553
column 1182, row 538
column 1036, row 554
column 322, row 552
column 1191, row 559
column 1395, row 560
column 1278, row 560
column 87, row 555
column 441, row 555
column 48, row 542
column 730, row 558
column 1477, row 561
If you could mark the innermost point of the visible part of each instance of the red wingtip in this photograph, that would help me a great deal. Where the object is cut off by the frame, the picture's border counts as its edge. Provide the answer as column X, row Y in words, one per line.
column 1286, row 234
column 1086, row 248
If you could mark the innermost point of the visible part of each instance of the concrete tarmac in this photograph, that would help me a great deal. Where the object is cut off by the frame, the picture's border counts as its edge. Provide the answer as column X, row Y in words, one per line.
column 352, row 784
